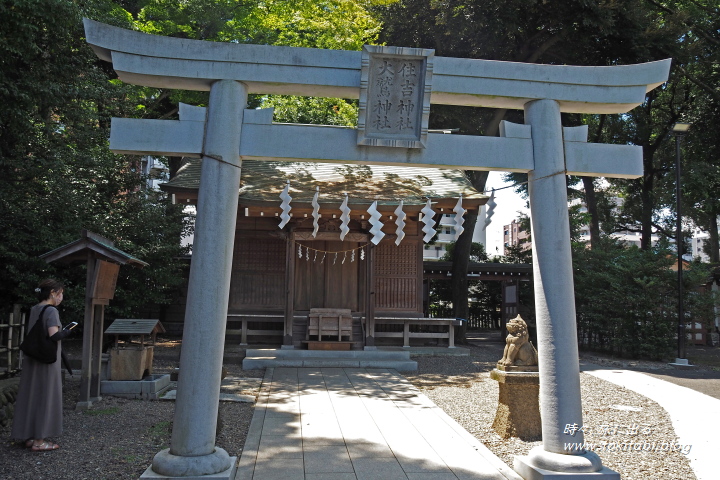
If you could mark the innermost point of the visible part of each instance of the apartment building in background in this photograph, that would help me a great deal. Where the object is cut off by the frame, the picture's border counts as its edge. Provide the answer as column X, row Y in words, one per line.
column 513, row 234
column 446, row 234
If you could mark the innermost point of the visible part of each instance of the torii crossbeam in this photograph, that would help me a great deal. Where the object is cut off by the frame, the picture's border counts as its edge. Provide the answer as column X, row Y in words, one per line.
column 395, row 86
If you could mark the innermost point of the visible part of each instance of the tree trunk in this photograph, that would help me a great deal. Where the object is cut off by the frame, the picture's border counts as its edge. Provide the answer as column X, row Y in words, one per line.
column 459, row 279
column 591, row 204
column 647, row 204
column 461, row 260
column 461, row 257
column 590, row 195
column 174, row 164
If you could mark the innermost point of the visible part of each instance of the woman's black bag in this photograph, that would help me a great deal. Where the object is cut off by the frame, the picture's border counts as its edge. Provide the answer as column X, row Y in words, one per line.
column 37, row 344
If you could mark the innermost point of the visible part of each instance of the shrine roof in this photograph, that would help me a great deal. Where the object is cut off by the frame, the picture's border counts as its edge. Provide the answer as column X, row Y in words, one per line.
column 263, row 181
column 91, row 244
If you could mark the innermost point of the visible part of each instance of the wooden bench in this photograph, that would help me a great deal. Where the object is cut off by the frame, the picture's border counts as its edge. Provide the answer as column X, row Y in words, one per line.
column 406, row 334
column 245, row 332
column 329, row 322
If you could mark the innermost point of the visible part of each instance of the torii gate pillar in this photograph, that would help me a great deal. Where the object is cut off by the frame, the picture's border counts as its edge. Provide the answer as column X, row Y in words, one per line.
column 560, row 402
column 193, row 451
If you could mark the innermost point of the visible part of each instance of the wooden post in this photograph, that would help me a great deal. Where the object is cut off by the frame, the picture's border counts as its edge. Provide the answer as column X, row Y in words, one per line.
column 243, row 332
column 23, row 323
column 370, row 298
column 96, row 351
column 84, row 401
column 289, row 290
column 16, row 333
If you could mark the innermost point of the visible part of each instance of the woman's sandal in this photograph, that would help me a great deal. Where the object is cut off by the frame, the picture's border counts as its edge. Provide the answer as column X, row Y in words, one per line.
column 45, row 447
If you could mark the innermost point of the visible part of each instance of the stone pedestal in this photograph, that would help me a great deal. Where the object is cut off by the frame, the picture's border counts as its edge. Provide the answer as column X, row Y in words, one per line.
column 149, row 388
column 518, row 411
column 196, row 466
column 540, row 464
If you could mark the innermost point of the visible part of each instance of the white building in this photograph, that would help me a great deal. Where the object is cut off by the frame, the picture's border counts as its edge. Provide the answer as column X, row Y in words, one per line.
column 154, row 171
column 697, row 244
column 446, row 235
column 627, row 237
column 696, row 241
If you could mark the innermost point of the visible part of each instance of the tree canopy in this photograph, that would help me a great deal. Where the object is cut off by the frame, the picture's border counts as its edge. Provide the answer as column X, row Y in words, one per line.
column 56, row 171
column 592, row 33
column 58, row 176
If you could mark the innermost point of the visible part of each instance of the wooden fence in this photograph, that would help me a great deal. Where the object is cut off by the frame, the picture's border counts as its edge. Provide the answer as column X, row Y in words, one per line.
column 11, row 334
column 479, row 319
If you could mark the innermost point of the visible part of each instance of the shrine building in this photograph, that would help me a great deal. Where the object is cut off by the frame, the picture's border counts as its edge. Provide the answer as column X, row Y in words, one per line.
column 280, row 275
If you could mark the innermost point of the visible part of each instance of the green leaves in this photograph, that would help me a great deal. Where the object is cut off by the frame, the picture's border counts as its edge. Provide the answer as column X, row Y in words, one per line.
column 56, row 172
column 626, row 299
column 312, row 110
column 334, row 24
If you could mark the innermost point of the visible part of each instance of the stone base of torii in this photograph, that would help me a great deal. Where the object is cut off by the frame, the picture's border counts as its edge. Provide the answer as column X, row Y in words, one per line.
column 542, row 148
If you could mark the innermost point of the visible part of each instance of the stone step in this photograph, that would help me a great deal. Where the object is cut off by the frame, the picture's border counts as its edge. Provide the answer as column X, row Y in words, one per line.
column 298, row 353
column 264, row 358
column 400, row 366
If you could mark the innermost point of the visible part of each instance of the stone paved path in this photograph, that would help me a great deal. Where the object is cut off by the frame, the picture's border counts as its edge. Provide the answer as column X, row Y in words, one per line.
column 357, row 424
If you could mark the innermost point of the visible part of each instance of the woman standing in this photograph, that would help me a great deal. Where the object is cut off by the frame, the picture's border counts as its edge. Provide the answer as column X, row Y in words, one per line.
column 38, row 406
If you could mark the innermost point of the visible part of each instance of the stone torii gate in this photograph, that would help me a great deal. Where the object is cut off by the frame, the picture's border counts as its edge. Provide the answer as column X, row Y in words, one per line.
column 395, row 86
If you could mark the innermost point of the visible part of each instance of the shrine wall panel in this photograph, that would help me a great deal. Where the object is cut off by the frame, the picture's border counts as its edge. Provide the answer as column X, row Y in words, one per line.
column 258, row 273
column 398, row 279
column 396, row 294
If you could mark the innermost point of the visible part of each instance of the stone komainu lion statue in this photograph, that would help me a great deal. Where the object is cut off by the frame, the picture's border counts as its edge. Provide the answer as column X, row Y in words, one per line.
column 519, row 350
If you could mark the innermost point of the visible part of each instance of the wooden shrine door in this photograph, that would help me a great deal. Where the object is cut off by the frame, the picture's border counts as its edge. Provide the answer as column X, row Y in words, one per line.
column 326, row 279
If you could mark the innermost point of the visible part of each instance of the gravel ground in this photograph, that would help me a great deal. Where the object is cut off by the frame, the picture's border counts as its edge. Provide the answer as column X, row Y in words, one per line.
column 703, row 377
column 613, row 415
column 119, row 437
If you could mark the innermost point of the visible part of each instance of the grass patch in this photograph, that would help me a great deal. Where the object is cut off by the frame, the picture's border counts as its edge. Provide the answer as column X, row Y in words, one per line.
column 160, row 427
column 704, row 360
column 119, row 452
column 103, row 411
column 159, row 432
column 707, row 356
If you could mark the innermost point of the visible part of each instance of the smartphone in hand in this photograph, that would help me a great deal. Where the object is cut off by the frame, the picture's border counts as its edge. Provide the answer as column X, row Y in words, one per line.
column 71, row 325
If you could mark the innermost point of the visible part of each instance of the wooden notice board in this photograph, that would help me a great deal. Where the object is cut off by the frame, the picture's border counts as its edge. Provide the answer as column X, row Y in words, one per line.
column 103, row 286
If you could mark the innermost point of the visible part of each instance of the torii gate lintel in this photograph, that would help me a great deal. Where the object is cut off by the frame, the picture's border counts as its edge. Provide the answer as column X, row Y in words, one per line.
column 263, row 140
